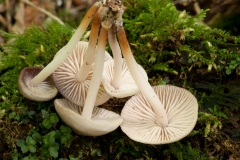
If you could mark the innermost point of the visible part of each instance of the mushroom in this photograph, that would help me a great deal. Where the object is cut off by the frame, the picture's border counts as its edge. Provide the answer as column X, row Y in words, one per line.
column 161, row 118
column 102, row 121
column 139, row 120
column 42, row 92
column 65, row 77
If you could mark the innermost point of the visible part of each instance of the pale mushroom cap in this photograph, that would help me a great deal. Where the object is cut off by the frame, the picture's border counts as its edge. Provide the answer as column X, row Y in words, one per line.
column 44, row 91
column 139, row 121
column 65, row 78
column 127, row 86
column 102, row 121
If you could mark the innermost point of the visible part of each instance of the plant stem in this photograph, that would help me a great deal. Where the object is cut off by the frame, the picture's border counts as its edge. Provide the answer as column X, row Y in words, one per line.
column 66, row 50
column 90, row 52
column 142, row 83
column 117, row 55
column 97, row 75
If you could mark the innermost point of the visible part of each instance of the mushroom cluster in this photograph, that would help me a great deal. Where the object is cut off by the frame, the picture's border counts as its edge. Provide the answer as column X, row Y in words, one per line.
column 87, row 76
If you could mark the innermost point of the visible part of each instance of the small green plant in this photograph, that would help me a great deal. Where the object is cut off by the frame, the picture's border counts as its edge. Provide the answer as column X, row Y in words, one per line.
column 66, row 137
column 232, row 65
column 45, row 146
column 21, row 114
column 49, row 119
column 28, row 145
column 27, row 115
column 50, row 146
column 14, row 115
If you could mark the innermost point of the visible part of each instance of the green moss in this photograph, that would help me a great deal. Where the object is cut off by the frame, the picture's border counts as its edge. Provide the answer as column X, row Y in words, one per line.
column 164, row 39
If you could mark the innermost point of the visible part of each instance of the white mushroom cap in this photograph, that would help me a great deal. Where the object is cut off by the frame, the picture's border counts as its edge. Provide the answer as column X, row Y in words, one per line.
column 139, row 122
column 65, row 78
column 44, row 91
column 127, row 86
column 101, row 122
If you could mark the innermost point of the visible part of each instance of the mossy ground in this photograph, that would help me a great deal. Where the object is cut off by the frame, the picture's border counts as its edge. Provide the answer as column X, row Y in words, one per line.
column 173, row 48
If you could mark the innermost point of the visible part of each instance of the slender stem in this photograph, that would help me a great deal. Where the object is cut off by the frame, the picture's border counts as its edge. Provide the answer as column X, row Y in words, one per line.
column 97, row 75
column 89, row 55
column 66, row 50
column 140, row 80
column 117, row 55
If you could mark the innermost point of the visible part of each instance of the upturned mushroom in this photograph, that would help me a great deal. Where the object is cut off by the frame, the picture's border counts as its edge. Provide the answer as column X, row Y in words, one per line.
column 102, row 121
column 65, row 77
column 139, row 120
column 161, row 117
column 42, row 92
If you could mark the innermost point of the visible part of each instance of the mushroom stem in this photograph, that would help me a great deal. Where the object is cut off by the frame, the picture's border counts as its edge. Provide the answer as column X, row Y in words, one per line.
column 90, row 52
column 142, row 83
column 97, row 75
column 66, row 50
column 117, row 55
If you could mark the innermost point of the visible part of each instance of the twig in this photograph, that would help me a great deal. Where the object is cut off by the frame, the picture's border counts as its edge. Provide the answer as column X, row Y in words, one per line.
column 197, row 7
column 8, row 16
column 43, row 11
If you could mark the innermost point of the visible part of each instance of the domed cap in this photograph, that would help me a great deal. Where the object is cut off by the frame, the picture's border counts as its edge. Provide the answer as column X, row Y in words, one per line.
column 139, row 122
column 102, row 121
column 127, row 86
column 66, row 82
column 44, row 91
